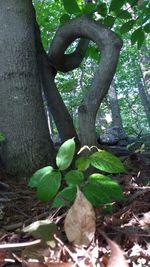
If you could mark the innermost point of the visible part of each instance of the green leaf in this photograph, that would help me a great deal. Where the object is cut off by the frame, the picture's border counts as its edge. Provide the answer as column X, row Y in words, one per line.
column 65, row 197
column 107, row 162
column 82, row 163
column 102, row 9
column 71, row 6
column 127, row 26
column 109, row 21
column 2, row 137
column 132, row 2
column 65, row 154
column 74, row 177
column 93, row 52
column 147, row 28
column 49, row 186
column 89, row 8
column 64, row 18
column 116, row 4
column 96, row 195
column 43, row 230
column 138, row 36
column 39, row 175
column 124, row 14
column 110, row 186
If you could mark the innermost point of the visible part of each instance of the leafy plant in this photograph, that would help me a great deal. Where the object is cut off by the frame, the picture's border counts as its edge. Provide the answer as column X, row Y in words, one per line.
column 98, row 188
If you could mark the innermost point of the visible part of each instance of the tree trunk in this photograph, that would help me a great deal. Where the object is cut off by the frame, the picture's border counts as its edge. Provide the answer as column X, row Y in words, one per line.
column 109, row 45
column 61, row 116
column 22, row 117
column 115, row 110
column 144, row 100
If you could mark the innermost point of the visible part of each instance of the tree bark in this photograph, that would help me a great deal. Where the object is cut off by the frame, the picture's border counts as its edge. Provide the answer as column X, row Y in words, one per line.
column 115, row 110
column 61, row 116
column 22, row 119
column 109, row 45
column 144, row 100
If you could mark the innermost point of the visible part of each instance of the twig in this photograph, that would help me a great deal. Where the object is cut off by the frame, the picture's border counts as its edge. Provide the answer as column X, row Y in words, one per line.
column 19, row 245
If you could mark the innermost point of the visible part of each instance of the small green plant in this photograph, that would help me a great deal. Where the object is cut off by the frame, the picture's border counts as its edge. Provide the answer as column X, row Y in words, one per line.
column 98, row 188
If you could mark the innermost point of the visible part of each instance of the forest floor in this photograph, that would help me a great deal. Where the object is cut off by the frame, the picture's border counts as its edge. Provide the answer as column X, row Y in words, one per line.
column 128, row 226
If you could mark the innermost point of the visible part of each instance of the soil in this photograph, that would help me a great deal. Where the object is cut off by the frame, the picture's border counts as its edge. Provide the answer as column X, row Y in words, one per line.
column 128, row 225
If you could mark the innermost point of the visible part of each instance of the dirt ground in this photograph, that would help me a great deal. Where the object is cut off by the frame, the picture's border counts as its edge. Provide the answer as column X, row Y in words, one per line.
column 128, row 226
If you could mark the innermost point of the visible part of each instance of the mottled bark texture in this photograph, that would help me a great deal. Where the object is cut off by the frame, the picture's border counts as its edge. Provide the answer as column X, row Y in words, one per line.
column 109, row 45
column 22, row 117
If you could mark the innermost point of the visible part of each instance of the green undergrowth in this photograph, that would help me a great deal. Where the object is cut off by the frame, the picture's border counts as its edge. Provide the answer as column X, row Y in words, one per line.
column 60, row 185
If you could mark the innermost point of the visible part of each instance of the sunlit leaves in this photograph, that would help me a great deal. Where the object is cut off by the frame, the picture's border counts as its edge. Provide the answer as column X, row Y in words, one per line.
column 107, row 162
column 74, row 177
column 49, row 186
column 82, row 163
column 65, row 154
column 39, row 175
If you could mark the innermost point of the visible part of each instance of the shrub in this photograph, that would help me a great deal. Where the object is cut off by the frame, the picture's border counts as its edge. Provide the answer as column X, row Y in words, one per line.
column 98, row 188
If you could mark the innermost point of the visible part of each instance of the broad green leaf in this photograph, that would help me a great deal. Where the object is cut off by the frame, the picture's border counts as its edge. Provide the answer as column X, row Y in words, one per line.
column 64, row 18
column 39, row 175
column 89, row 8
column 49, row 186
column 138, row 36
column 147, row 28
column 110, row 186
column 102, row 9
column 44, row 230
column 107, row 162
column 116, row 5
column 109, row 21
column 96, row 195
column 93, row 52
column 65, row 154
column 127, row 26
column 64, row 197
column 82, row 163
column 74, row 177
column 124, row 14
column 71, row 6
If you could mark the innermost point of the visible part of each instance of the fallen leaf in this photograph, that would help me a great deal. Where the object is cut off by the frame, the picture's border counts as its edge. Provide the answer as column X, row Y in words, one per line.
column 80, row 221
column 43, row 229
column 117, row 258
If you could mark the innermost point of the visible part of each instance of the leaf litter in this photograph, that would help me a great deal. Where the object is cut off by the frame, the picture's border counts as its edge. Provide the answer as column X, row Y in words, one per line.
column 109, row 240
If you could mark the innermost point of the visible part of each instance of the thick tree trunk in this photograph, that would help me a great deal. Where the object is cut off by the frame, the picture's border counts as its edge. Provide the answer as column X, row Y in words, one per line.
column 22, row 117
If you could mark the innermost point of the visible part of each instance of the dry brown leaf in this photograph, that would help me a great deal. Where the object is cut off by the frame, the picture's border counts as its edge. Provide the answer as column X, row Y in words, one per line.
column 80, row 221
column 117, row 258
